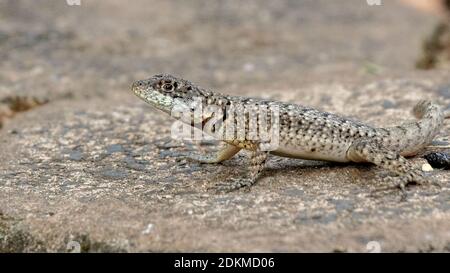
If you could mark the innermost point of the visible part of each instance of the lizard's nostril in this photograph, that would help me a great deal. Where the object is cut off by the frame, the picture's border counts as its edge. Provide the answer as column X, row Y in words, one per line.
column 136, row 84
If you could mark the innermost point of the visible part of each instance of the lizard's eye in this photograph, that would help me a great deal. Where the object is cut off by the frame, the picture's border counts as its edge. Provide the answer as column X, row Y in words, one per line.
column 168, row 86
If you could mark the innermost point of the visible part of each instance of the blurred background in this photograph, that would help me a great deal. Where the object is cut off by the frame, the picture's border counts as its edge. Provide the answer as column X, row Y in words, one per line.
column 49, row 48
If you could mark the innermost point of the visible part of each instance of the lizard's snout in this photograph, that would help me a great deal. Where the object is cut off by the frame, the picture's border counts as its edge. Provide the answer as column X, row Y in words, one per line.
column 137, row 84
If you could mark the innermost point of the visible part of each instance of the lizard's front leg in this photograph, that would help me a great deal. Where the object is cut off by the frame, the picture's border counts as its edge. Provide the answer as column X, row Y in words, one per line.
column 368, row 150
column 227, row 152
column 257, row 161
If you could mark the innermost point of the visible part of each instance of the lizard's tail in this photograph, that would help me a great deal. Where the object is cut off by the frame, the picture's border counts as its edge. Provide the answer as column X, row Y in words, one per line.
column 415, row 135
column 423, row 108
column 430, row 115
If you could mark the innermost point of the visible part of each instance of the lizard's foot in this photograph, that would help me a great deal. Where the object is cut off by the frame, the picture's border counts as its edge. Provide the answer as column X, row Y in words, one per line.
column 396, row 183
column 402, row 182
column 234, row 184
column 418, row 177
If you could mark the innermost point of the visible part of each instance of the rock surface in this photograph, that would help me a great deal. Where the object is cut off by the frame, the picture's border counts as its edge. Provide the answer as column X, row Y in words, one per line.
column 96, row 166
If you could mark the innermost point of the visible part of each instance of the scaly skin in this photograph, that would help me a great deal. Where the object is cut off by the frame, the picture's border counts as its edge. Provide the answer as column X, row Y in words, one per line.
column 304, row 132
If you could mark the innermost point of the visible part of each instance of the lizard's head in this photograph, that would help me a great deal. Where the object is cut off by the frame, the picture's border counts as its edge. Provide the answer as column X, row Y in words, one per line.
column 162, row 91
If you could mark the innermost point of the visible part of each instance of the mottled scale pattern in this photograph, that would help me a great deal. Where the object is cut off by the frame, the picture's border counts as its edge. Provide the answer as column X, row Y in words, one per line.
column 304, row 132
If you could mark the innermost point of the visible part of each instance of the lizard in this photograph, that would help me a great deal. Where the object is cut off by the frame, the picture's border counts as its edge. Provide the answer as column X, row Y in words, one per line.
column 303, row 132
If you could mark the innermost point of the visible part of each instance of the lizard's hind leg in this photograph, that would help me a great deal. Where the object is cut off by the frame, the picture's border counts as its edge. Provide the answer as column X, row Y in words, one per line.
column 368, row 150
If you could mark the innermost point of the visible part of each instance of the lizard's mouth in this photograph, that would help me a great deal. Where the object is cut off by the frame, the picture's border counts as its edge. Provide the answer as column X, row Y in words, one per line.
column 154, row 98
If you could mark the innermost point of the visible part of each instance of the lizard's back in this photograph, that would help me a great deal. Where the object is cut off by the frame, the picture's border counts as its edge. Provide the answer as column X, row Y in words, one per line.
column 308, row 133
column 311, row 134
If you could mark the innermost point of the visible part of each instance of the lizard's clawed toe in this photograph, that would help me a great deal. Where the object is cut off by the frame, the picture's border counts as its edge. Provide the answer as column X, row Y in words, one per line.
column 234, row 184
column 221, row 188
column 403, row 182
column 382, row 191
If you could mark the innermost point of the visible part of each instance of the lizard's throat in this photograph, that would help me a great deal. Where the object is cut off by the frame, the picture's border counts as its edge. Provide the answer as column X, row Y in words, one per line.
column 157, row 100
